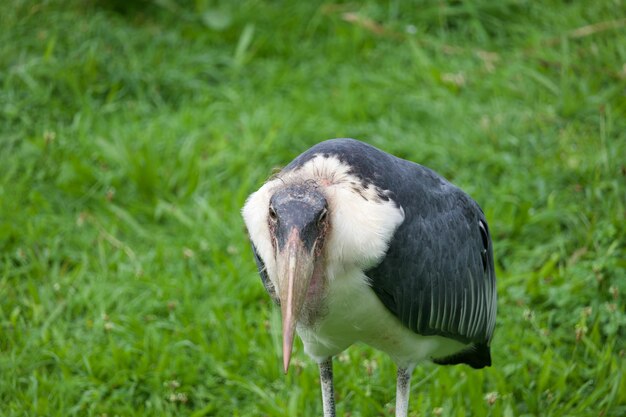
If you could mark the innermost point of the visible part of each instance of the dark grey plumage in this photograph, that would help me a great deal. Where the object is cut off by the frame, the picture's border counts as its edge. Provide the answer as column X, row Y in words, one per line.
column 267, row 283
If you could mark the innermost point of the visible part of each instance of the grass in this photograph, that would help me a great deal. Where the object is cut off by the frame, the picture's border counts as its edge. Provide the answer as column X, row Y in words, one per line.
column 131, row 134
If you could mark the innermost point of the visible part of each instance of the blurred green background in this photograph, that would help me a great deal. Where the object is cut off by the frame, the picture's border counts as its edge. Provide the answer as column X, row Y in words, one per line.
column 131, row 133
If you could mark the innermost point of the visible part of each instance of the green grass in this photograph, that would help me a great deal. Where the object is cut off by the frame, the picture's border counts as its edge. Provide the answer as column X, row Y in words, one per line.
column 130, row 137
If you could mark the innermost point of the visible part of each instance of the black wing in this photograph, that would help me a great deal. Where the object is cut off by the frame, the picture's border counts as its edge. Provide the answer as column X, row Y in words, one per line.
column 264, row 277
column 438, row 274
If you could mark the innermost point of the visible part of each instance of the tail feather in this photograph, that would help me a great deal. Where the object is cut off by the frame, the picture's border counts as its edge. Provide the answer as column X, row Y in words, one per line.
column 477, row 356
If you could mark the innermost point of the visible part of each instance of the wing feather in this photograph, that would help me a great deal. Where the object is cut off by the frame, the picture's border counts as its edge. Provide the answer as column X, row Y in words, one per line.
column 438, row 275
column 267, row 283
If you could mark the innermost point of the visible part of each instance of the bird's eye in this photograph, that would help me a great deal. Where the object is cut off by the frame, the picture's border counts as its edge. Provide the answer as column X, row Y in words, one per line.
column 322, row 217
column 273, row 215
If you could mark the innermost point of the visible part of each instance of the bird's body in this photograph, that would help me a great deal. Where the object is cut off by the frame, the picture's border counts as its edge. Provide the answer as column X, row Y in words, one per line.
column 357, row 245
column 353, row 313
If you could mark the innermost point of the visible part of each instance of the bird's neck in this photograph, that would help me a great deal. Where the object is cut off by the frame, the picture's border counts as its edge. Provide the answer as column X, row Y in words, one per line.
column 316, row 295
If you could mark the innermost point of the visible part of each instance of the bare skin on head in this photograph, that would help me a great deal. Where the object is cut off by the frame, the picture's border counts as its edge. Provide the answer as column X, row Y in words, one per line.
column 298, row 221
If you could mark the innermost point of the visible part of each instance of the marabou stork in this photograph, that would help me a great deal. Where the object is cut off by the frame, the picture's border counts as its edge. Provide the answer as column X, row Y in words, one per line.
column 357, row 245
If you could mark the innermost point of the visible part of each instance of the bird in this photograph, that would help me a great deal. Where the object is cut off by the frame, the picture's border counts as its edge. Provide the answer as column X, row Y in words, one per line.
column 359, row 246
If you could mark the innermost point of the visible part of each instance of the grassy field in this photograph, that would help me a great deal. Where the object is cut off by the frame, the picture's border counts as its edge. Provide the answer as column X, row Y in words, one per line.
column 131, row 134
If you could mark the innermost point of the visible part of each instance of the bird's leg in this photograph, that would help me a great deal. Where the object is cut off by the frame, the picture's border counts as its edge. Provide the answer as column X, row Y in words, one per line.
column 403, row 389
column 326, row 380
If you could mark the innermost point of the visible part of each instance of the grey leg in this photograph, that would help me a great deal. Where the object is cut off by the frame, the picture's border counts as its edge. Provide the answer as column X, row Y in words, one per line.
column 403, row 389
column 328, row 395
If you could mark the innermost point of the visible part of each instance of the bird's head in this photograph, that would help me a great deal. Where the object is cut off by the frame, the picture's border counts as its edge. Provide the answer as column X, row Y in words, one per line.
column 298, row 221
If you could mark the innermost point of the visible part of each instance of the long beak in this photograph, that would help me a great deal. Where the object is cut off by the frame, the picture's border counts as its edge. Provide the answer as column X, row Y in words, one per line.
column 295, row 268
